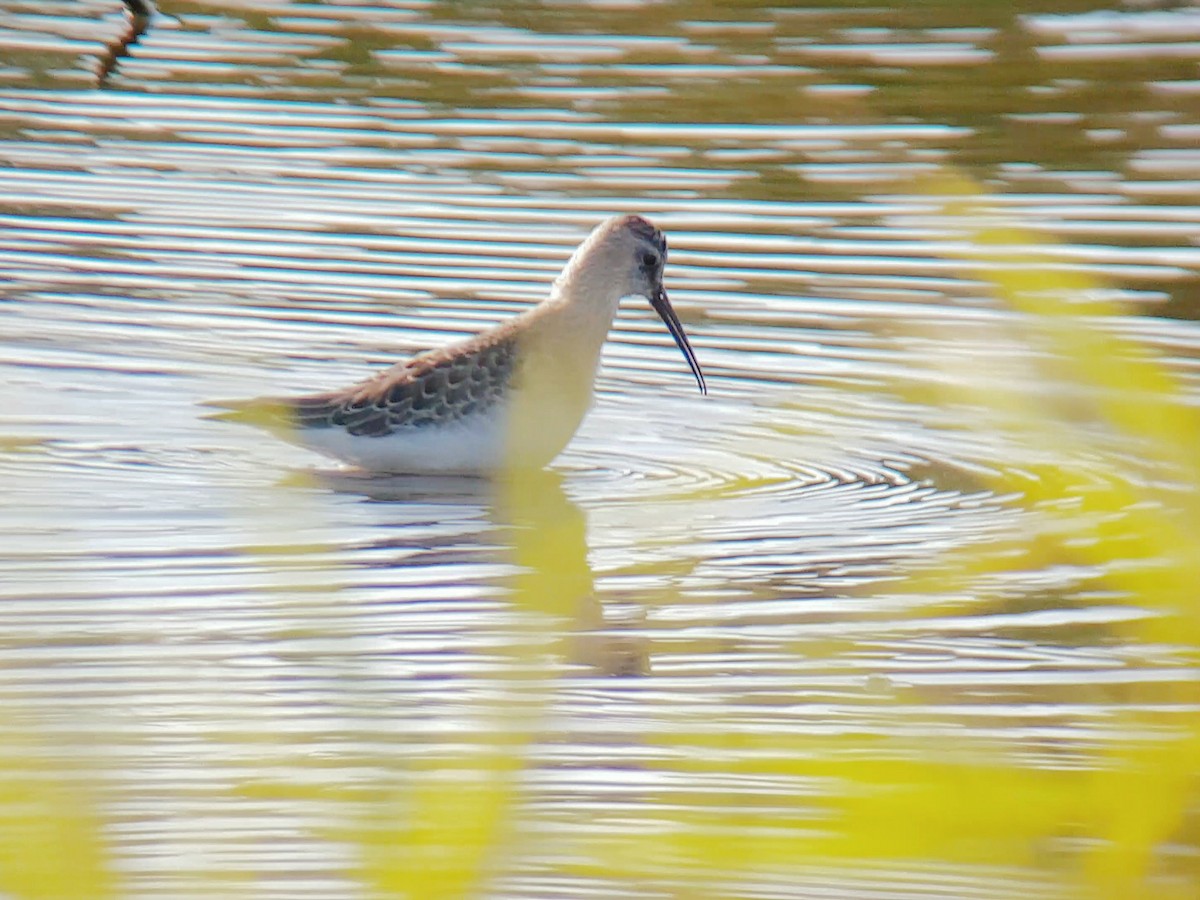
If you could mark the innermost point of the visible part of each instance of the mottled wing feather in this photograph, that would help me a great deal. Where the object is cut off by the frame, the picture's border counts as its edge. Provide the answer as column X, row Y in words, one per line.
column 434, row 388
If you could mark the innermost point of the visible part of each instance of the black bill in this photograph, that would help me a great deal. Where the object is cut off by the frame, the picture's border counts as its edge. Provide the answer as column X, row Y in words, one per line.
column 662, row 306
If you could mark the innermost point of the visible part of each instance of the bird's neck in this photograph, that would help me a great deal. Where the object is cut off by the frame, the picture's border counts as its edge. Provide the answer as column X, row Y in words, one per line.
column 561, row 340
column 585, row 295
column 571, row 325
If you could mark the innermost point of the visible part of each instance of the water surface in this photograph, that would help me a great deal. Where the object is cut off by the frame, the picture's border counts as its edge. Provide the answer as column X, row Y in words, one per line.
column 249, row 658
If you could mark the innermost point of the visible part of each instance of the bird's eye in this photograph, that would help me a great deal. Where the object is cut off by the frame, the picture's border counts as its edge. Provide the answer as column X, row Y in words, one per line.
column 649, row 260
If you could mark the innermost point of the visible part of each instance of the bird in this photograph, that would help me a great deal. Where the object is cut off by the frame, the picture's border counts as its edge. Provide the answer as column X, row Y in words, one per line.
column 510, row 397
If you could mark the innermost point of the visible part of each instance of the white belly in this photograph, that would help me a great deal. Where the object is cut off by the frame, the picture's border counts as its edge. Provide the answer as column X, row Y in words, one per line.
column 473, row 446
column 479, row 445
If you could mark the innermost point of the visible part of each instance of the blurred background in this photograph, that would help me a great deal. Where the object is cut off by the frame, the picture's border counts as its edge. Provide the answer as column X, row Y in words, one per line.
column 905, row 608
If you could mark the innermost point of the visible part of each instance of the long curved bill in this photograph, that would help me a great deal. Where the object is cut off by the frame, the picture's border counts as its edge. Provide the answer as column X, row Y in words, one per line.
column 662, row 306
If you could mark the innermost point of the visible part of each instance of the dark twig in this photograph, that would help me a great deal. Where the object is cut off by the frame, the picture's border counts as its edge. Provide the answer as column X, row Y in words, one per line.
column 138, row 14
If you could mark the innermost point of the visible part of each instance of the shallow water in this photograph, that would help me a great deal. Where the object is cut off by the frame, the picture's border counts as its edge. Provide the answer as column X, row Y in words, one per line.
column 240, row 649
